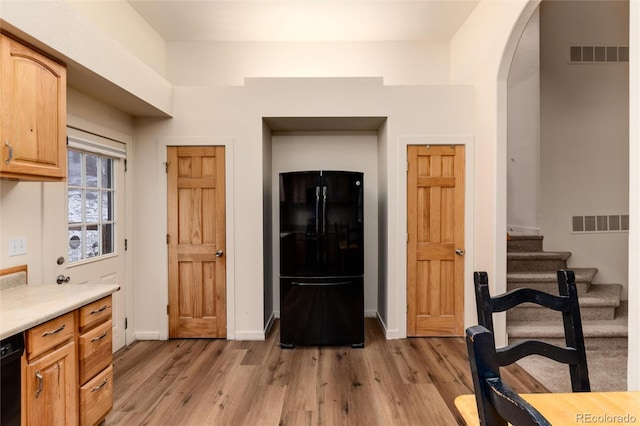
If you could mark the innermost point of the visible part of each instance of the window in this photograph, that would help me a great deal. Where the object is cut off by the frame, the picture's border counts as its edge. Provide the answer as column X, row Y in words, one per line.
column 91, row 198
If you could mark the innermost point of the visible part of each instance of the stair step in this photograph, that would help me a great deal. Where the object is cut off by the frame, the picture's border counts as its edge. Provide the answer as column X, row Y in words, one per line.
column 591, row 343
column 524, row 243
column 537, row 261
column 597, row 333
column 599, row 303
column 548, row 281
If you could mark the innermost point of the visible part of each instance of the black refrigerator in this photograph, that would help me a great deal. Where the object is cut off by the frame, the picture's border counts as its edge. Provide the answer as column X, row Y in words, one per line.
column 321, row 258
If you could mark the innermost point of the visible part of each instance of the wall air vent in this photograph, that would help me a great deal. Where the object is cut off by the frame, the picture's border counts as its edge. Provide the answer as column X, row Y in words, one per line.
column 600, row 223
column 598, row 54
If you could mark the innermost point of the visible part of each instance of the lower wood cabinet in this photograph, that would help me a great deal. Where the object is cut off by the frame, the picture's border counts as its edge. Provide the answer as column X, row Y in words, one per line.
column 68, row 368
column 94, row 351
column 95, row 360
column 51, row 388
column 96, row 397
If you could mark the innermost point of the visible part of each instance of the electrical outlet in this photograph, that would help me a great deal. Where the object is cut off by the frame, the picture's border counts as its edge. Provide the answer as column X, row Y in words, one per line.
column 17, row 246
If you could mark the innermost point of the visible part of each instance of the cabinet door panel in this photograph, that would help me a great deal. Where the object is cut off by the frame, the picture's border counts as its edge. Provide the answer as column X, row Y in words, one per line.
column 51, row 396
column 33, row 106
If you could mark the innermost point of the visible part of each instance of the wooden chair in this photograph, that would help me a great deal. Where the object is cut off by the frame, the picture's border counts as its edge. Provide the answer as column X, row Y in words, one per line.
column 572, row 354
column 497, row 403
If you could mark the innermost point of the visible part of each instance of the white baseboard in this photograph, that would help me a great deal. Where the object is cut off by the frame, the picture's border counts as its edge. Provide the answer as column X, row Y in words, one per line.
column 146, row 335
column 388, row 333
column 270, row 322
column 250, row 335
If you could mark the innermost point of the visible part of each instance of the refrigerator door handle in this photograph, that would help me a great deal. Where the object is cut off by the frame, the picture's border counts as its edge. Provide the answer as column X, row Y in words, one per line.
column 317, row 207
column 319, row 284
column 324, row 210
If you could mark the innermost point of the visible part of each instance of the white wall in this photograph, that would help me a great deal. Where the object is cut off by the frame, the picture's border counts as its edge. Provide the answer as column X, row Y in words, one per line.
column 481, row 54
column 228, row 63
column 21, row 212
column 118, row 19
column 32, row 209
column 633, row 360
column 383, row 207
column 96, row 62
column 523, row 133
column 584, row 134
column 477, row 54
column 270, row 232
column 37, row 211
column 351, row 151
column 210, row 113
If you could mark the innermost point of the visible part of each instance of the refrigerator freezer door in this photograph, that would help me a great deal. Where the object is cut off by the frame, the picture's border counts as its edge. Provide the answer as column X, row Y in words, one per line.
column 322, row 311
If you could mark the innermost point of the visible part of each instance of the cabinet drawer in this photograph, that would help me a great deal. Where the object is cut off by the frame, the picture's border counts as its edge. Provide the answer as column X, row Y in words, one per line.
column 52, row 333
column 96, row 397
column 95, row 351
column 94, row 313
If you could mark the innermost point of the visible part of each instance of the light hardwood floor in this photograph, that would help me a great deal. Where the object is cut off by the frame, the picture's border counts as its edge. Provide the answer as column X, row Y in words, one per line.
column 218, row 382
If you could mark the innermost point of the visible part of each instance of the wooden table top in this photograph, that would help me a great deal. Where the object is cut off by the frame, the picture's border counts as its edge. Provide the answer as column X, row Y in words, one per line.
column 580, row 408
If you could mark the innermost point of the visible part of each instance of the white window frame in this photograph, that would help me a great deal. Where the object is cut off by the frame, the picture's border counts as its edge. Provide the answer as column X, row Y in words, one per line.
column 111, row 151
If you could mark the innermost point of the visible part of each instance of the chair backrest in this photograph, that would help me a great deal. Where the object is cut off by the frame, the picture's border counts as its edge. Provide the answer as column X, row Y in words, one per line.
column 572, row 354
column 497, row 403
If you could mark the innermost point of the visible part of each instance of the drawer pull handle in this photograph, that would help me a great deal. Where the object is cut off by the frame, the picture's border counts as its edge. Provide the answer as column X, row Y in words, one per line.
column 95, row 339
column 40, row 383
column 8, row 160
column 58, row 330
column 97, row 311
column 100, row 386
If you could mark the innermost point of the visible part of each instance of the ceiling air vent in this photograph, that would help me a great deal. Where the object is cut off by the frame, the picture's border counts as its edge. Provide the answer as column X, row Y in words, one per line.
column 600, row 223
column 598, row 54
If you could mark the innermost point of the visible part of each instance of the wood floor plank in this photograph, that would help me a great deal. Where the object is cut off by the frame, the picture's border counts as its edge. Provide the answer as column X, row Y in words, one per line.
column 182, row 394
column 301, row 389
column 198, row 382
column 223, row 384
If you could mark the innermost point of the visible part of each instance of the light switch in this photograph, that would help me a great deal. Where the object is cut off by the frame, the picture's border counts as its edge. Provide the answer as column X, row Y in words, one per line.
column 17, row 246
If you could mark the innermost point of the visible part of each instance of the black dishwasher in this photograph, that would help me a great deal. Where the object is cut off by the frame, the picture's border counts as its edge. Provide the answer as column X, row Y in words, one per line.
column 11, row 350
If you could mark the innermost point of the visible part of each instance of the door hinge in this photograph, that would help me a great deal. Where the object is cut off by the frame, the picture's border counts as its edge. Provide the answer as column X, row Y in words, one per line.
column 407, row 166
column 167, row 238
column 125, row 164
column 126, row 244
column 166, row 167
column 126, row 323
column 167, row 309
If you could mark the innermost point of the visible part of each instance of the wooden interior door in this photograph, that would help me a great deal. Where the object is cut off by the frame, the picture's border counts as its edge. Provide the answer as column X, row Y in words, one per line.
column 435, row 244
column 196, row 225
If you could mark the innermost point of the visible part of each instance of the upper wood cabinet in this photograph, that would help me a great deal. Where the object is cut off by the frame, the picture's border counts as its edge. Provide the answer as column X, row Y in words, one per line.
column 33, row 99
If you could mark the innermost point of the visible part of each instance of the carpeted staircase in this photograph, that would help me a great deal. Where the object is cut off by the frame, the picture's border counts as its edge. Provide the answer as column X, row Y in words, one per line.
column 604, row 317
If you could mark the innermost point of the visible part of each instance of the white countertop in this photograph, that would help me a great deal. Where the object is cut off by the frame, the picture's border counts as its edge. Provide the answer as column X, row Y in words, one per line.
column 29, row 305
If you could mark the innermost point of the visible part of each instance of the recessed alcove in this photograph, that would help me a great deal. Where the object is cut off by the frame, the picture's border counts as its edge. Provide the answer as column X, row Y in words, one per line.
column 323, row 143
